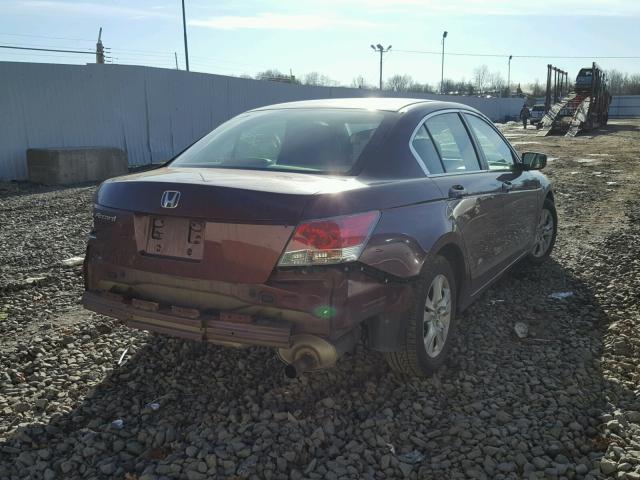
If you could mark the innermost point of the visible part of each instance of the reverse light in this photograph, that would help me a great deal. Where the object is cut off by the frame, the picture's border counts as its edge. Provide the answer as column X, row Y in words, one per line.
column 329, row 240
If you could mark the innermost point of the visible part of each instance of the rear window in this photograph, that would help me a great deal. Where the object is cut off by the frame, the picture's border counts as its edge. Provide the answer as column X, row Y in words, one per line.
column 309, row 140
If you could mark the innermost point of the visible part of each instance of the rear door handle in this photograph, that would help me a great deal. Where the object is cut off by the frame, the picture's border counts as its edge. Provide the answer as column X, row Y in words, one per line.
column 457, row 191
column 507, row 186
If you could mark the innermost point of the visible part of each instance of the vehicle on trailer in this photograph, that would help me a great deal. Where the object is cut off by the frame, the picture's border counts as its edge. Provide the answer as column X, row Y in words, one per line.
column 585, row 108
column 311, row 226
column 537, row 112
column 584, row 80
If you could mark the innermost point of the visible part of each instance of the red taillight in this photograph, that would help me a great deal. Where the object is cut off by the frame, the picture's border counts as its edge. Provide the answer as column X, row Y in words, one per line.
column 330, row 240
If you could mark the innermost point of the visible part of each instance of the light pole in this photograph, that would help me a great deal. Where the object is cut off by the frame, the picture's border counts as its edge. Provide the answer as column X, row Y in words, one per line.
column 184, row 27
column 444, row 35
column 509, row 76
column 382, row 50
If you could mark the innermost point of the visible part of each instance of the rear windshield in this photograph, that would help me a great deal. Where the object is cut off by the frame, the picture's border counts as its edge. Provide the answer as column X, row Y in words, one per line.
column 308, row 140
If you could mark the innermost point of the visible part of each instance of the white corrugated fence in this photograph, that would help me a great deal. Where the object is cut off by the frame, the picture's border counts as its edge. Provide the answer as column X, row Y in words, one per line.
column 150, row 113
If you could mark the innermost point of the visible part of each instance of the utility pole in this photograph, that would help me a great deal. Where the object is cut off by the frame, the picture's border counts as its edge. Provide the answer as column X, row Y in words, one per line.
column 184, row 27
column 99, row 48
column 382, row 50
column 509, row 76
column 444, row 35
column 175, row 55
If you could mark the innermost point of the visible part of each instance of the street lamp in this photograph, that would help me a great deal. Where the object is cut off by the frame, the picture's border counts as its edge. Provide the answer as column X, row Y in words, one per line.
column 184, row 27
column 444, row 35
column 509, row 76
column 382, row 50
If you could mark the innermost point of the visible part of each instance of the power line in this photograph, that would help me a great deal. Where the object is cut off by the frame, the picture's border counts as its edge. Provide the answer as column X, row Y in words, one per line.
column 63, row 47
column 426, row 52
column 90, row 52
column 48, row 37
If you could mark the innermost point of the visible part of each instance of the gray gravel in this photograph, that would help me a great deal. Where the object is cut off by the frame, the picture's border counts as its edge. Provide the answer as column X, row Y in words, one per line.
column 563, row 402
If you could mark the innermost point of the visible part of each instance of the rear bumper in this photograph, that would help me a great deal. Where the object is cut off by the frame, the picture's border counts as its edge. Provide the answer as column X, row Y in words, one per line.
column 325, row 302
column 236, row 330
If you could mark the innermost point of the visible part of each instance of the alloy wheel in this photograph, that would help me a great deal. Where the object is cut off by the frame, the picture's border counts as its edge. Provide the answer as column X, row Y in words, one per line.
column 544, row 234
column 437, row 315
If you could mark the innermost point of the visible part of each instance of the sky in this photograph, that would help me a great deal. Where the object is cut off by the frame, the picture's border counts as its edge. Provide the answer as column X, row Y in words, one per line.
column 333, row 37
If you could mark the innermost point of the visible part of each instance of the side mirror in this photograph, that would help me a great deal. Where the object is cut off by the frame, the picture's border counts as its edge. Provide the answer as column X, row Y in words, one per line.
column 534, row 161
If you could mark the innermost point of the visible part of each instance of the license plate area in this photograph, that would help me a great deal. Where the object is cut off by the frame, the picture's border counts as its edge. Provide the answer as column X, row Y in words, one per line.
column 176, row 237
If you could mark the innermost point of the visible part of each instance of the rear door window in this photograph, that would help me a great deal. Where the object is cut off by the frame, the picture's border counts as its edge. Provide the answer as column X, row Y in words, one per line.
column 496, row 151
column 453, row 143
column 425, row 149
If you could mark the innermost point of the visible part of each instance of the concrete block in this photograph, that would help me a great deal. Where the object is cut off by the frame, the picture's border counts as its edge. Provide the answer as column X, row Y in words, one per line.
column 62, row 166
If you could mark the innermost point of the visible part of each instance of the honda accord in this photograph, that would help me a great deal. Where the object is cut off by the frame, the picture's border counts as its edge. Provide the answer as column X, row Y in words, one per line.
column 314, row 225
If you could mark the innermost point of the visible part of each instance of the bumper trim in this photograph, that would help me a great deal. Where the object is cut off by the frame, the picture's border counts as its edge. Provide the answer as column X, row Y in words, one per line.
column 207, row 328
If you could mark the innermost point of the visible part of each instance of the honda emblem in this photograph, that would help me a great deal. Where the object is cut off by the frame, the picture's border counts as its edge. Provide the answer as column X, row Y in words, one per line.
column 170, row 199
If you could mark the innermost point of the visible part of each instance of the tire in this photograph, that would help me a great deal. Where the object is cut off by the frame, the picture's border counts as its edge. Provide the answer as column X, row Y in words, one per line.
column 419, row 357
column 544, row 243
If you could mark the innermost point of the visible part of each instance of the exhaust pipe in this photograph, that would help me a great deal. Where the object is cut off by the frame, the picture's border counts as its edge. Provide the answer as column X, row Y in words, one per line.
column 309, row 352
column 302, row 364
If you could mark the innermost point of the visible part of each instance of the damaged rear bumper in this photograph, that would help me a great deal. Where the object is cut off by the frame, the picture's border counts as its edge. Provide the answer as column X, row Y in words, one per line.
column 190, row 323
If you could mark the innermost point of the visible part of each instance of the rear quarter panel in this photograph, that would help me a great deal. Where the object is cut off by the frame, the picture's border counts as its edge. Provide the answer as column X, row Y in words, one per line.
column 415, row 222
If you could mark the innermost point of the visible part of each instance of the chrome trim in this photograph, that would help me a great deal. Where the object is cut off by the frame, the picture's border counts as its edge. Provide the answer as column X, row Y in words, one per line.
column 513, row 150
column 415, row 131
column 448, row 174
column 459, row 111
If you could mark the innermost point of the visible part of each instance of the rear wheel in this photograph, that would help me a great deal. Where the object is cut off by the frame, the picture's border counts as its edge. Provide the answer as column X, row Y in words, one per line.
column 546, row 230
column 430, row 322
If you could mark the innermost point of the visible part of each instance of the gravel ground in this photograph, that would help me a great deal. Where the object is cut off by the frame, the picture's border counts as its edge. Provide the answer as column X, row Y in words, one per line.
column 83, row 397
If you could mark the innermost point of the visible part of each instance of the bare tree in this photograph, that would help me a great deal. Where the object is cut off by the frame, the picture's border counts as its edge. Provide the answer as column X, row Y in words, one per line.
column 481, row 78
column 315, row 78
column 399, row 83
column 360, row 82
column 617, row 81
column 535, row 88
column 420, row 87
column 632, row 85
column 496, row 82
column 276, row 75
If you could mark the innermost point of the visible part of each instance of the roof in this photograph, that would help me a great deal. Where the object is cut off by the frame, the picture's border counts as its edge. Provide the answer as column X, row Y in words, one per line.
column 369, row 103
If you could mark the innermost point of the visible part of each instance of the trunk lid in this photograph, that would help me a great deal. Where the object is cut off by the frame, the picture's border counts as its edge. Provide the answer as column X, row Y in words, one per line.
column 224, row 224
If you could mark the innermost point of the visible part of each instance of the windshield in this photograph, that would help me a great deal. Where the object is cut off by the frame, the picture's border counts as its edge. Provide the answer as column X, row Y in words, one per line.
column 309, row 140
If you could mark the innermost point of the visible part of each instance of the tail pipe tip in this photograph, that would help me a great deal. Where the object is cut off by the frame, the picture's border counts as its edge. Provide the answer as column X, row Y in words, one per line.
column 302, row 364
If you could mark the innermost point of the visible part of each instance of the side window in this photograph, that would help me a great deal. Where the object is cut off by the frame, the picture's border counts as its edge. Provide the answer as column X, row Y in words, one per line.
column 453, row 143
column 426, row 150
column 495, row 149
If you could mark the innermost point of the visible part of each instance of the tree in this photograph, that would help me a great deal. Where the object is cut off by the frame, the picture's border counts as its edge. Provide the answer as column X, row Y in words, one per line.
column 632, row 85
column 496, row 82
column 317, row 79
column 420, row 87
column 617, row 81
column 360, row 82
column 399, row 83
column 536, row 89
column 481, row 78
column 276, row 75
column 449, row 86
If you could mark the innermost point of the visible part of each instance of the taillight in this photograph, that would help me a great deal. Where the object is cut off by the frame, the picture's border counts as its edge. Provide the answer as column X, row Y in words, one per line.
column 329, row 240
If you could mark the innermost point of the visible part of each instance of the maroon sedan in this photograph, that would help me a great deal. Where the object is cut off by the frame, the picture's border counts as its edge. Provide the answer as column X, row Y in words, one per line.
column 311, row 226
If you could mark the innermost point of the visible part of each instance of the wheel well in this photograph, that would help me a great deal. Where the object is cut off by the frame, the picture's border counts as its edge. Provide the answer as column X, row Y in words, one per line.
column 550, row 196
column 454, row 256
